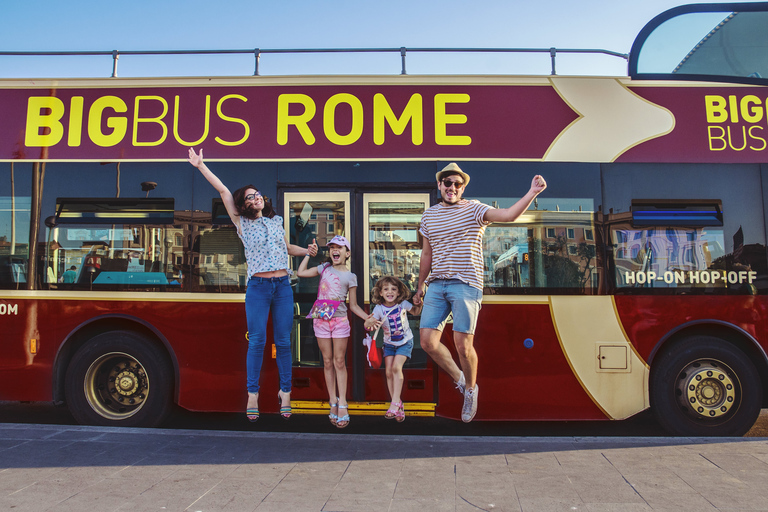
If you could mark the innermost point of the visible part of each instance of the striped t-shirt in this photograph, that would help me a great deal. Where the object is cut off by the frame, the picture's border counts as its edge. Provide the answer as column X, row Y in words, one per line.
column 455, row 233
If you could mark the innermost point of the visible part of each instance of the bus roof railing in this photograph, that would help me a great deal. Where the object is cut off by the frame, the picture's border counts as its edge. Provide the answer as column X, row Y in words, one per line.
column 257, row 52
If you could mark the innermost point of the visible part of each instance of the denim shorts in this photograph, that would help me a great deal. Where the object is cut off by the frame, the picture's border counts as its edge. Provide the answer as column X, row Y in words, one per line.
column 399, row 350
column 451, row 295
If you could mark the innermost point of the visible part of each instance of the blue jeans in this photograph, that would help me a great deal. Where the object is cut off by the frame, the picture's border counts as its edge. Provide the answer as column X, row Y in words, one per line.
column 445, row 296
column 262, row 295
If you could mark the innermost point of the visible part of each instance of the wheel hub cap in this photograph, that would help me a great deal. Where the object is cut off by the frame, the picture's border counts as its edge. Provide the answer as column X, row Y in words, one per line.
column 709, row 391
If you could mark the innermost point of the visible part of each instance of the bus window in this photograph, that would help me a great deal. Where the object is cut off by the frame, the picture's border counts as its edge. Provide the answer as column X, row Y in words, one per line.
column 391, row 224
column 15, row 207
column 674, row 258
column 308, row 217
column 114, row 244
column 218, row 260
column 678, row 239
column 715, row 43
column 552, row 251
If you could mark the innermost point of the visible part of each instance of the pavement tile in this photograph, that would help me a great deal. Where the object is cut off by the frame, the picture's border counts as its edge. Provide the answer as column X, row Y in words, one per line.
column 622, row 506
column 352, row 504
column 551, row 505
column 423, row 505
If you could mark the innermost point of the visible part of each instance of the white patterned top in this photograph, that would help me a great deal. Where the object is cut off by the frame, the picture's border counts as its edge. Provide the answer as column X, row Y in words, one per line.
column 264, row 242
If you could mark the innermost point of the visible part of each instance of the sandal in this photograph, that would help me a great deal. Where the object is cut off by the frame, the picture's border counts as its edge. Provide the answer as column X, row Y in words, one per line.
column 392, row 411
column 285, row 411
column 333, row 416
column 400, row 414
column 343, row 421
column 252, row 413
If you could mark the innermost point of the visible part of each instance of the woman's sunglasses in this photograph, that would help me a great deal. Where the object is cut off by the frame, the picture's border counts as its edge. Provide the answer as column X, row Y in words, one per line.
column 252, row 197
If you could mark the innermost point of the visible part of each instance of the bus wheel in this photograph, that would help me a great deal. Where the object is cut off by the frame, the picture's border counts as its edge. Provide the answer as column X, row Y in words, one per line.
column 705, row 386
column 119, row 378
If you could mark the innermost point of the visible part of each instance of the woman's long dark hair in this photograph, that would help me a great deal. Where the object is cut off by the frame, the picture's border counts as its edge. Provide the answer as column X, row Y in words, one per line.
column 238, row 196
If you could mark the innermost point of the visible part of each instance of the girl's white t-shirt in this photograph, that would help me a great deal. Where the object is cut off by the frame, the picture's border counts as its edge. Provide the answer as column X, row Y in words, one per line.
column 395, row 325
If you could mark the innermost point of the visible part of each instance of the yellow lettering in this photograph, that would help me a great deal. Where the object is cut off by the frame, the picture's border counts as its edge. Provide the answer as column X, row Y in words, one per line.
column 716, row 111
column 75, row 134
column 206, row 127
column 232, row 120
column 443, row 119
column 756, row 137
column 753, row 114
column 119, row 125
column 329, row 119
column 36, row 120
column 730, row 140
column 159, row 120
column 412, row 112
column 721, row 138
column 733, row 107
column 284, row 119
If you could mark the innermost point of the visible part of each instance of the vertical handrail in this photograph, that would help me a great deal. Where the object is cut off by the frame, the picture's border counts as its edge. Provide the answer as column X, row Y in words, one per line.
column 257, row 57
column 552, row 55
column 402, row 60
column 115, row 56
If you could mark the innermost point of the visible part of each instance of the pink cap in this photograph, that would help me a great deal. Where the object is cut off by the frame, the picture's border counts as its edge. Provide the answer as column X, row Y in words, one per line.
column 341, row 241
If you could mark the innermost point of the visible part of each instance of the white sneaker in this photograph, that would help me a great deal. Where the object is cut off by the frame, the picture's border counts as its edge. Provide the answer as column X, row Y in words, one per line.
column 462, row 384
column 470, row 405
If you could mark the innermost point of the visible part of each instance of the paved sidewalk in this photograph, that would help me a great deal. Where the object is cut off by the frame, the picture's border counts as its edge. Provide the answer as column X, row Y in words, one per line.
column 75, row 468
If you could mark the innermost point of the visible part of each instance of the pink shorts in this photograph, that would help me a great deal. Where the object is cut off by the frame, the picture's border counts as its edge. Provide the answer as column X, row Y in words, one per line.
column 336, row 327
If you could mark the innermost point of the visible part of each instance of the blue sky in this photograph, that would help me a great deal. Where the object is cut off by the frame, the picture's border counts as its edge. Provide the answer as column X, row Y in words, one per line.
column 238, row 24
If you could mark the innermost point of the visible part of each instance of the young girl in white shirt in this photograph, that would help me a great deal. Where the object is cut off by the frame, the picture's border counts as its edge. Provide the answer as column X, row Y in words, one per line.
column 389, row 295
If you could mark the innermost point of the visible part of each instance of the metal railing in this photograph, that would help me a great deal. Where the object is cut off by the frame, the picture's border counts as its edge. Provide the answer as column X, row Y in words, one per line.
column 258, row 52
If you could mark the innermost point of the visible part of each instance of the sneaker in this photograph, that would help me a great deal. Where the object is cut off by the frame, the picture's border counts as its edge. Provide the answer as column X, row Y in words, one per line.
column 462, row 384
column 470, row 405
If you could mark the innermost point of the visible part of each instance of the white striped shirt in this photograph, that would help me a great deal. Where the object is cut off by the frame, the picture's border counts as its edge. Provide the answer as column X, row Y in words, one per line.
column 455, row 233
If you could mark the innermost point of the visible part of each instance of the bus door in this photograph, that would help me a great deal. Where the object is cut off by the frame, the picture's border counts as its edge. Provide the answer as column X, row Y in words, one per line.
column 392, row 248
column 383, row 231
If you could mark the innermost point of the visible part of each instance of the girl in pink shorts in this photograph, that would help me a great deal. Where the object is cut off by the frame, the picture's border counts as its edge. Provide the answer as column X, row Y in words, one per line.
column 329, row 314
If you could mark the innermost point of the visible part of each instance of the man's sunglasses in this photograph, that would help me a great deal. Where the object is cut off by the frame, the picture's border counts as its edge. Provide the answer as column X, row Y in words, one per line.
column 252, row 197
column 450, row 183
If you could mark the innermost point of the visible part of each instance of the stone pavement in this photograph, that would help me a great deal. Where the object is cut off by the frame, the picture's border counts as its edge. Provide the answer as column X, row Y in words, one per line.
column 76, row 468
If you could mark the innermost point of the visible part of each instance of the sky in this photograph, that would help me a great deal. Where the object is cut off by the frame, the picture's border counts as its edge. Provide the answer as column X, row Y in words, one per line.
column 86, row 25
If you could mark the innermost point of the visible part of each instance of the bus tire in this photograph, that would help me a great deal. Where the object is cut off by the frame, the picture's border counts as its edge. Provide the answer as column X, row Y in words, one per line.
column 705, row 386
column 119, row 378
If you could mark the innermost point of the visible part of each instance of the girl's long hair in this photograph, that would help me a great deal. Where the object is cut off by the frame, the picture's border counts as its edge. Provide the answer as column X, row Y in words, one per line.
column 238, row 196
column 402, row 290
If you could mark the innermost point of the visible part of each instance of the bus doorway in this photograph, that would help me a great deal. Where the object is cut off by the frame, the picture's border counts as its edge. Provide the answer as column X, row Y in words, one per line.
column 382, row 228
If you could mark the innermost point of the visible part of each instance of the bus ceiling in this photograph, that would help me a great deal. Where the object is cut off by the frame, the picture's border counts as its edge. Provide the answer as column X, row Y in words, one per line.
column 723, row 42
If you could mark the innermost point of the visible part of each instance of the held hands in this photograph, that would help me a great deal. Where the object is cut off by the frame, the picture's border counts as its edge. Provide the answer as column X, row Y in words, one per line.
column 371, row 323
column 537, row 185
column 196, row 160
column 312, row 248
column 417, row 296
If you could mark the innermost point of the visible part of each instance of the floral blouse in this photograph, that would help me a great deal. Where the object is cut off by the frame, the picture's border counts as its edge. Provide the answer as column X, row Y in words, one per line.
column 264, row 242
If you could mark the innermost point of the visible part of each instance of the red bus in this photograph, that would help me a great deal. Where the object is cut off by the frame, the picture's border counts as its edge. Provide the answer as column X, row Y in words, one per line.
column 638, row 279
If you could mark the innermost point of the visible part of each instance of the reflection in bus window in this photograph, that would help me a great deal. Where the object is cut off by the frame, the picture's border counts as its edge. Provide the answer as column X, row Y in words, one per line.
column 115, row 244
column 393, row 245
column 15, row 207
column 684, row 259
column 394, row 250
column 311, row 220
column 221, row 264
column 553, row 250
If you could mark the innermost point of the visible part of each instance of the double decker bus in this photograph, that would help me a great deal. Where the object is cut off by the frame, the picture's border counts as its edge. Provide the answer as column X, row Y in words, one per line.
column 637, row 280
